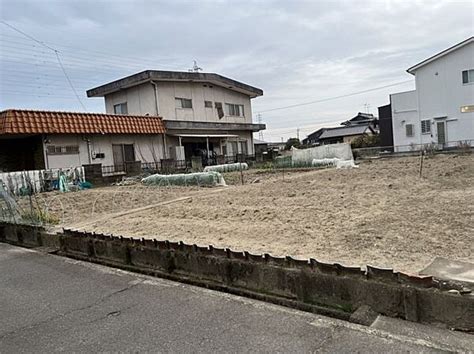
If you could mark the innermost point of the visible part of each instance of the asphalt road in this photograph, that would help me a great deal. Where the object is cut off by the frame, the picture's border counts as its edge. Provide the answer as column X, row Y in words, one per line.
column 50, row 303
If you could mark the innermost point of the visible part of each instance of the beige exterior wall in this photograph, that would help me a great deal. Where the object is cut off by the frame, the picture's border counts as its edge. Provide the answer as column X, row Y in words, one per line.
column 148, row 148
column 141, row 101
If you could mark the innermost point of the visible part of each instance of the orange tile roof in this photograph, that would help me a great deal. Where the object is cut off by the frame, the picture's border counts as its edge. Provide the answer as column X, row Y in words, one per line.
column 16, row 121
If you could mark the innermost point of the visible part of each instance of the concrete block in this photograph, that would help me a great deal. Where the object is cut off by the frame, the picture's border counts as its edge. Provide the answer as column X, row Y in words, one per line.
column 152, row 258
column 383, row 274
column 425, row 281
column 254, row 257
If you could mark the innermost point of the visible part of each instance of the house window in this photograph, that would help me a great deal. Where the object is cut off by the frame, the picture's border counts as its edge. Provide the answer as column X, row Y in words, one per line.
column 425, row 126
column 220, row 111
column 409, row 130
column 233, row 148
column 208, row 104
column 467, row 109
column 243, row 147
column 183, row 103
column 468, row 76
column 121, row 108
column 62, row 150
column 123, row 153
column 236, row 110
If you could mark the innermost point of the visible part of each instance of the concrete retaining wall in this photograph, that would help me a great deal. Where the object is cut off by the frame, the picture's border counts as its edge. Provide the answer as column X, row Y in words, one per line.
column 331, row 289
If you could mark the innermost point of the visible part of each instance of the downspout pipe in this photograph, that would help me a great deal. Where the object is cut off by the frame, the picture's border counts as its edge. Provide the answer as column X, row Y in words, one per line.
column 155, row 90
column 157, row 112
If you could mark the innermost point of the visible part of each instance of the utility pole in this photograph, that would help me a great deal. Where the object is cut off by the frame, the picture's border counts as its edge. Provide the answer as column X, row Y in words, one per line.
column 298, row 133
column 367, row 108
column 259, row 120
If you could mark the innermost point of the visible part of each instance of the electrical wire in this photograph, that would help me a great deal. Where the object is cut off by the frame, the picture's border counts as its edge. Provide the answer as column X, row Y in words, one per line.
column 56, row 52
column 334, row 98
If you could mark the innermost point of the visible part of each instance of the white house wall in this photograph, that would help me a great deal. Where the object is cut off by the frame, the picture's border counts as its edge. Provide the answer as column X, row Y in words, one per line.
column 439, row 96
column 404, row 111
column 442, row 93
column 148, row 148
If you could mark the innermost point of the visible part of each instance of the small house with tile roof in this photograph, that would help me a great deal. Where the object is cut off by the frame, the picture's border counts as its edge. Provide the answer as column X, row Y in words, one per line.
column 34, row 140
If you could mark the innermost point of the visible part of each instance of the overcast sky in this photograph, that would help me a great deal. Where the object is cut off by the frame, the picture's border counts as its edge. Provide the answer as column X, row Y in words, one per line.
column 296, row 51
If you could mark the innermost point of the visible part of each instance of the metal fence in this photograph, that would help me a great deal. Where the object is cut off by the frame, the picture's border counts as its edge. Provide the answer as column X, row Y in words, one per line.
column 169, row 165
column 413, row 149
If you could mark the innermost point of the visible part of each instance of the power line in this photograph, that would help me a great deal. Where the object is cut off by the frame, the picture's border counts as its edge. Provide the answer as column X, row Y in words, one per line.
column 87, row 55
column 27, row 35
column 69, row 80
column 89, row 52
column 335, row 97
column 56, row 52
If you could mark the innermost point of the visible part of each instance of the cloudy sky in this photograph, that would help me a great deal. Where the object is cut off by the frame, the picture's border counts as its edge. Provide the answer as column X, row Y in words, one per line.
column 296, row 51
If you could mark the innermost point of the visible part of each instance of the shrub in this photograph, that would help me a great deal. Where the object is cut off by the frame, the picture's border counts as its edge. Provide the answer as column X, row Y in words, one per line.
column 365, row 141
column 39, row 217
column 292, row 142
column 465, row 147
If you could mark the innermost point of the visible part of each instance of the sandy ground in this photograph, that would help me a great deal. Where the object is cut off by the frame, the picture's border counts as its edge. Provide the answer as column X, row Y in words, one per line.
column 380, row 214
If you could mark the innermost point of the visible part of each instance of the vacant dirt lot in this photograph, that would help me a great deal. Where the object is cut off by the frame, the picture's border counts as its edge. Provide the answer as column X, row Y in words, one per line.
column 381, row 213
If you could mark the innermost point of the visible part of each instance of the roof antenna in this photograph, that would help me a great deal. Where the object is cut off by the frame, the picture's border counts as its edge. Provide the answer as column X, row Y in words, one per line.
column 195, row 68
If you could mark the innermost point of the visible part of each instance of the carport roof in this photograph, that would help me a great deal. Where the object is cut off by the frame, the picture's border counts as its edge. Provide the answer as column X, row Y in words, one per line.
column 16, row 121
column 344, row 131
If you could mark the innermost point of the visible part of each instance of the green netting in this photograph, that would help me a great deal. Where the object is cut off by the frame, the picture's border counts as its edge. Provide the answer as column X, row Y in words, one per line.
column 227, row 167
column 282, row 162
column 208, row 179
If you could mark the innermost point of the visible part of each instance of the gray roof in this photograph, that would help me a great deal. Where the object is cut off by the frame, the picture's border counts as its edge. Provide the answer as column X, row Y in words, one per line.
column 174, row 76
column 259, row 142
column 344, row 131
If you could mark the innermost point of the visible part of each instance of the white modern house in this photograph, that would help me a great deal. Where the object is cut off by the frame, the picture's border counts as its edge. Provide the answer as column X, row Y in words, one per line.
column 441, row 109
column 205, row 114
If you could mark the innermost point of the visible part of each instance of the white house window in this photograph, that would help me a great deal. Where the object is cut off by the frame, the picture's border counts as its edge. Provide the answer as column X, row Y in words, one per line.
column 183, row 103
column 468, row 76
column 62, row 150
column 425, row 126
column 208, row 104
column 234, row 109
column 409, row 130
column 121, row 108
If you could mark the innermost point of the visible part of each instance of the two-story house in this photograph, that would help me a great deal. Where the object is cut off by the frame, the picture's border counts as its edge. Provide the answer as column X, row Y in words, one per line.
column 205, row 114
column 441, row 109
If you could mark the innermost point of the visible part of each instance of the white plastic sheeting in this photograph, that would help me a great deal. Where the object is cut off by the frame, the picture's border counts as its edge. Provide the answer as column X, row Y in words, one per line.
column 227, row 167
column 346, row 164
column 36, row 181
column 305, row 157
column 208, row 179
column 325, row 162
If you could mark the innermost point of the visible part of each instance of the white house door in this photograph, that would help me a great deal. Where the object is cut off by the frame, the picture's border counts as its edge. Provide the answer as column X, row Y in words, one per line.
column 441, row 129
